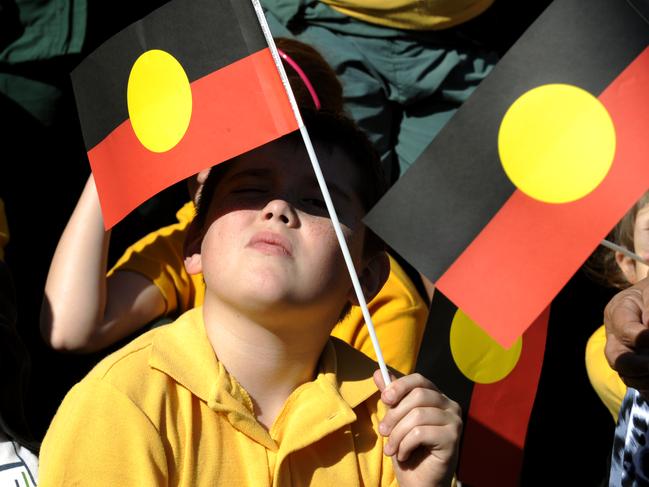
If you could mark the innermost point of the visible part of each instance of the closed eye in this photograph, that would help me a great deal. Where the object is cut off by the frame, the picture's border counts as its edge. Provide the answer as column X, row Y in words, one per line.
column 315, row 202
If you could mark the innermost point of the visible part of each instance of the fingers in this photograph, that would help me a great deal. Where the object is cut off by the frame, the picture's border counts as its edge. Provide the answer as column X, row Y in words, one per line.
column 627, row 335
column 418, row 415
column 432, row 427
column 633, row 301
column 633, row 369
column 400, row 387
column 378, row 379
column 625, row 329
column 643, row 286
column 418, row 397
column 623, row 314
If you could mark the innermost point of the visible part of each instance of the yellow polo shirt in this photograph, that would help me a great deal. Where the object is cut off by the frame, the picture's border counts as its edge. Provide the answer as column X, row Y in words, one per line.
column 164, row 411
column 158, row 256
column 606, row 381
column 412, row 14
column 398, row 311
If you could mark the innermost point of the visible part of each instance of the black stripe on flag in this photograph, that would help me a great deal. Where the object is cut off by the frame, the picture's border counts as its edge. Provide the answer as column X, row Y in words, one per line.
column 435, row 360
column 457, row 185
column 203, row 35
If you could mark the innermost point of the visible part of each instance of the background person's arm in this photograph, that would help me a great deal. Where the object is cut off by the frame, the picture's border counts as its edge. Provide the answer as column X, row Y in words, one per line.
column 627, row 335
column 83, row 310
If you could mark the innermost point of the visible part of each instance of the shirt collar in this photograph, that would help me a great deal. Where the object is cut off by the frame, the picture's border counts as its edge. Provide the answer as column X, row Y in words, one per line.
column 183, row 351
column 186, row 213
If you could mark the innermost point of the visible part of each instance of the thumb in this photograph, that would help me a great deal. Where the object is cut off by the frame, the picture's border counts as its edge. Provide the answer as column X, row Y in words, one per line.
column 644, row 289
column 378, row 379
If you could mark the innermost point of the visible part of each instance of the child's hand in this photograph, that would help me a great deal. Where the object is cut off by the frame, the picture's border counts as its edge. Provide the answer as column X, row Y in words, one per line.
column 423, row 428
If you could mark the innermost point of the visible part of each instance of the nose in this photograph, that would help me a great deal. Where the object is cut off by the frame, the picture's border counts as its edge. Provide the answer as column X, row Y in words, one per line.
column 281, row 210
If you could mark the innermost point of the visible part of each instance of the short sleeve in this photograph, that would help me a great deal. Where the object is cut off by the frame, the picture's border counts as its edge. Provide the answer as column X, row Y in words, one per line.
column 159, row 257
column 99, row 437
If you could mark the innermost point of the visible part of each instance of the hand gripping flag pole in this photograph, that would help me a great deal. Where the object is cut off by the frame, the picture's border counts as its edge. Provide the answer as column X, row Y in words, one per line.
column 325, row 193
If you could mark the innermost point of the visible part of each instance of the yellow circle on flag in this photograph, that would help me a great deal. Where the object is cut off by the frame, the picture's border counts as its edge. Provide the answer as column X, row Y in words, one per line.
column 478, row 356
column 159, row 100
column 556, row 143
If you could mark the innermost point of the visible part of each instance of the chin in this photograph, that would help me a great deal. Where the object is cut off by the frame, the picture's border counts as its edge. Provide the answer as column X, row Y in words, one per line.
column 265, row 293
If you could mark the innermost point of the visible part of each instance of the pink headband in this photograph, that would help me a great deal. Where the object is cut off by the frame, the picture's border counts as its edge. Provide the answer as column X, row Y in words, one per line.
column 302, row 75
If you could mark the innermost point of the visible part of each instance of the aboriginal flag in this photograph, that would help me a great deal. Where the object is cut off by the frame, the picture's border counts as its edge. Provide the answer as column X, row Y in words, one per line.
column 533, row 170
column 495, row 387
column 191, row 85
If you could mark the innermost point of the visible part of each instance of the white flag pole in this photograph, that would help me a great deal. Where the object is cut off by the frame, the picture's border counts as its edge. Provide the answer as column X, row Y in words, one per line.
column 623, row 250
column 325, row 193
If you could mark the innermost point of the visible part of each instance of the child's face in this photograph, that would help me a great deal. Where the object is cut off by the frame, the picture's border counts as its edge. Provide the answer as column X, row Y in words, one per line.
column 635, row 271
column 268, row 241
column 641, row 241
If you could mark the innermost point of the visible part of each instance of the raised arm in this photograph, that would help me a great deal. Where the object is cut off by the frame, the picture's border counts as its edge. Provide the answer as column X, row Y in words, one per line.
column 83, row 310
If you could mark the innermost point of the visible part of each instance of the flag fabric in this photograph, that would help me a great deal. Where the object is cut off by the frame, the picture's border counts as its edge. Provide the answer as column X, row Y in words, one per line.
column 190, row 85
column 533, row 170
column 495, row 387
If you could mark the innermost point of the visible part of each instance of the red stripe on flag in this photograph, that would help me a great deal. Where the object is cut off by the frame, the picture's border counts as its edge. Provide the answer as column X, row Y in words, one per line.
column 235, row 109
column 499, row 414
column 529, row 250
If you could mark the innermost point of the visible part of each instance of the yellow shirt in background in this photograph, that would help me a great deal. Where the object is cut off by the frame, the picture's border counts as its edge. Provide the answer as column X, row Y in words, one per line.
column 398, row 311
column 412, row 14
column 158, row 256
column 399, row 315
column 606, row 381
column 164, row 411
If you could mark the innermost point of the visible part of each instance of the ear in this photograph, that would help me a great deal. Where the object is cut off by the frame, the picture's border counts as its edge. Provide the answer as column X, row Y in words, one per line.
column 192, row 249
column 372, row 277
column 627, row 266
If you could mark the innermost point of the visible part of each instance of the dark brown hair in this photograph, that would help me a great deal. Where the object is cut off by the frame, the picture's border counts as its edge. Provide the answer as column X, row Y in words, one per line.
column 322, row 76
column 328, row 125
column 331, row 130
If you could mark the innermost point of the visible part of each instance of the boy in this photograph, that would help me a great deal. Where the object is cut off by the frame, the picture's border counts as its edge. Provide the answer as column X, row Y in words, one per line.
column 149, row 282
column 250, row 389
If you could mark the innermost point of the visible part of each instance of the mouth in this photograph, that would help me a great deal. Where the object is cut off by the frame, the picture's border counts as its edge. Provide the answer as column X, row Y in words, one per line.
column 270, row 243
